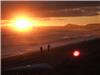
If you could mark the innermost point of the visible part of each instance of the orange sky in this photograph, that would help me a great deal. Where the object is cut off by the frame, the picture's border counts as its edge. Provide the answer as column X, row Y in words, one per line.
column 51, row 13
column 61, row 21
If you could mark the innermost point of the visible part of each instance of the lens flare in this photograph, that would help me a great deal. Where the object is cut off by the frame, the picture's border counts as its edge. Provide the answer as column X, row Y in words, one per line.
column 76, row 53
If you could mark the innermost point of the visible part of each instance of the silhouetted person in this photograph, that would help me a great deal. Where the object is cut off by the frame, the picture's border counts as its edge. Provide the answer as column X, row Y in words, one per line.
column 41, row 49
column 48, row 47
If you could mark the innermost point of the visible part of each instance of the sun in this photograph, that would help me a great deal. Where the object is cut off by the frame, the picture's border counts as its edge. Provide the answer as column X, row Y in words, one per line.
column 23, row 24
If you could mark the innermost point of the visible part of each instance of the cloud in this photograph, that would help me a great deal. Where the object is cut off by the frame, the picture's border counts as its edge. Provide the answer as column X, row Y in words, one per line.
column 50, row 8
column 80, row 11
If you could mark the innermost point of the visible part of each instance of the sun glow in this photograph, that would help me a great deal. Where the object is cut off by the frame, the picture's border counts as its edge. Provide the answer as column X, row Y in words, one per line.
column 23, row 24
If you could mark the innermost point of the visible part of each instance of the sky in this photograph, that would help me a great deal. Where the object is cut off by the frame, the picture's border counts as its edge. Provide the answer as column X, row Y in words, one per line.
column 53, row 13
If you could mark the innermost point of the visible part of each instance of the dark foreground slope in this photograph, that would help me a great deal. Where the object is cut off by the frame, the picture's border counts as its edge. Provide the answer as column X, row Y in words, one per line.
column 58, row 61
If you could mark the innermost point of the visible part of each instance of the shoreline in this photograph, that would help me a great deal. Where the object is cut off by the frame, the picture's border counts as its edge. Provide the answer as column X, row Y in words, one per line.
column 53, row 45
column 55, row 55
column 60, row 43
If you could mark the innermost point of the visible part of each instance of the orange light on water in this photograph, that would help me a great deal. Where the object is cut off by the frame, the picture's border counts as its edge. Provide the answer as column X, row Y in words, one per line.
column 76, row 53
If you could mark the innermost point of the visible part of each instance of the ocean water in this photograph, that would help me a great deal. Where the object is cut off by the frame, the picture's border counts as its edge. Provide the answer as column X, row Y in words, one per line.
column 13, row 43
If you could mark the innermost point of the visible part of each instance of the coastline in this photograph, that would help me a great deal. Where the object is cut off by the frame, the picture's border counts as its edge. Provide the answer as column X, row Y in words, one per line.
column 55, row 44
column 57, row 54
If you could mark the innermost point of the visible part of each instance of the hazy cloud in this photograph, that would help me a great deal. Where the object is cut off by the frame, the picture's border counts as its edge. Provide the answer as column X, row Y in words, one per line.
column 51, row 8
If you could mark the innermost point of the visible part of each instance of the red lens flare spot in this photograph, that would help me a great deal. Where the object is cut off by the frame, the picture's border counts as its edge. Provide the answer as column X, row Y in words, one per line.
column 76, row 53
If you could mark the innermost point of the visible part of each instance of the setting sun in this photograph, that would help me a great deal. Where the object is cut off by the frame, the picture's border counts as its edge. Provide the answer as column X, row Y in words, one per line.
column 23, row 24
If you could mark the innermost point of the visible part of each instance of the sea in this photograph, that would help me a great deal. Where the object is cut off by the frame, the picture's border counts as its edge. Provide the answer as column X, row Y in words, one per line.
column 18, row 43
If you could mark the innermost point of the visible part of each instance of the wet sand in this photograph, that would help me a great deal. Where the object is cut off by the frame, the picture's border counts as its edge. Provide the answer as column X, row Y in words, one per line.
column 61, row 58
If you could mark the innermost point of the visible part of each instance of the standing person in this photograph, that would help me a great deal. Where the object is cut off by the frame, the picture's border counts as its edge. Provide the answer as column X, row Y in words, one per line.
column 41, row 49
column 48, row 47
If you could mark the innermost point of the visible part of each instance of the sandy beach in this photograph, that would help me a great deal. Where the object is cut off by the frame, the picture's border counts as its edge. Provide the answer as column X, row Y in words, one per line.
column 57, row 55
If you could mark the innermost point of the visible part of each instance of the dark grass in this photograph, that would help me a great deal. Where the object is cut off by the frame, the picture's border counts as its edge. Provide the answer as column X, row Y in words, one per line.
column 61, row 59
